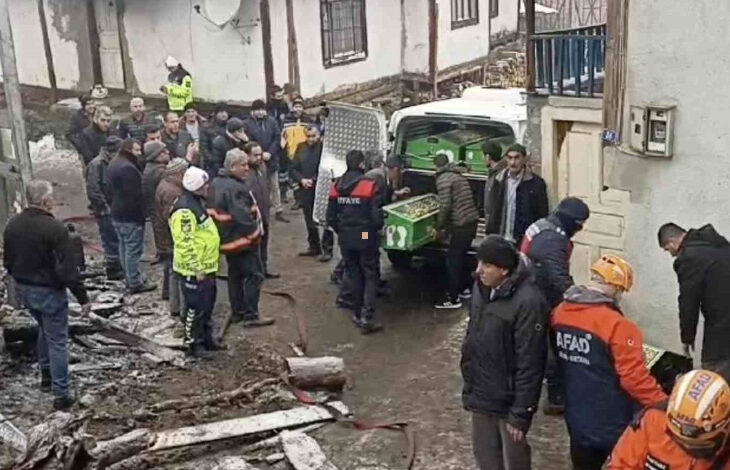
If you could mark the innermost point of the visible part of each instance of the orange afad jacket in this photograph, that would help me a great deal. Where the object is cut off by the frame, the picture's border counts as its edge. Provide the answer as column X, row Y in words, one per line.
column 648, row 446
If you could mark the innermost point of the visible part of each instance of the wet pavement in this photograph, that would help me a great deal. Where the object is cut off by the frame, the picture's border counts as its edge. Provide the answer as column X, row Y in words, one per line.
column 408, row 372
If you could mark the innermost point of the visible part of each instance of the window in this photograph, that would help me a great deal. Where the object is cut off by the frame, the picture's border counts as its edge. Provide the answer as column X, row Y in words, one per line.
column 464, row 13
column 493, row 8
column 344, row 32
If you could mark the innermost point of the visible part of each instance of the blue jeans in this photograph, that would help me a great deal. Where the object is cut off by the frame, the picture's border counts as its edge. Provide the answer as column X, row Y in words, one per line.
column 109, row 242
column 49, row 307
column 131, row 247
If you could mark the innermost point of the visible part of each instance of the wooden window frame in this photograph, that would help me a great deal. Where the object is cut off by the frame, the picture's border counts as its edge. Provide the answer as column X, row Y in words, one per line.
column 466, row 7
column 493, row 8
column 328, row 58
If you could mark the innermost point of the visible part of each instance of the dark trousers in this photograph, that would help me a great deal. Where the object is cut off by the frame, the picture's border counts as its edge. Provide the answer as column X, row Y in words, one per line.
column 305, row 197
column 461, row 238
column 494, row 448
column 361, row 272
column 328, row 240
column 245, row 275
column 49, row 307
column 588, row 458
column 199, row 300
column 109, row 242
column 554, row 374
column 264, row 249
column 171, row 284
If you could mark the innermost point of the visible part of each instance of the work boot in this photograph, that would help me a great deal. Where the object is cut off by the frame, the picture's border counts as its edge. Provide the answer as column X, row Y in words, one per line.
column 270, row 275
column 356, row 320
column 344, row 303
column 144, row 287
column 311, row 252
column 45, row 380
column 254, row 322
column 325, row 257
column 195, row 352
column 280, row 217
column 63, row 403
column 370, row 327
column 114, row 273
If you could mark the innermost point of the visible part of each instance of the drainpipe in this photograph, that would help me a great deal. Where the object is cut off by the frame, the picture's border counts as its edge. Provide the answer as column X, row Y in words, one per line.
column 530, row 31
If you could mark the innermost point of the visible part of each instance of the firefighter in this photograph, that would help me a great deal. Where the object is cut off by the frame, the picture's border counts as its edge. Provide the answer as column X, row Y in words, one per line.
column 601, row 357
column 356, row 216
column 690, row 432
column 195, row 259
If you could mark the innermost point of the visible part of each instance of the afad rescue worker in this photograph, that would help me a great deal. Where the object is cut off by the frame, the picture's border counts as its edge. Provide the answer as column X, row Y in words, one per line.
column 354, row 213
column 195, row 259
column 601, row 357
column 548, row 244
column 179, row 86
column 689, row 433
column 702, row 264
column 503, row 356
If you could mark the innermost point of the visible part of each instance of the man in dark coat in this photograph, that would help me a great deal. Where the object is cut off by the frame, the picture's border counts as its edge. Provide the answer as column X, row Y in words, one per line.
column 80, row 120
column 94, row 136
column 128, row 212
column 265, row 130
column 702, row 264
column 156, row 157
column 135, row 125
column 171, row 132
column 303, row 172
column 239, row 225
column 258, row 183
column 214, row 126
column 503, row 356
column 98, row 194
column 458, row 218
column 276, row 106
column 234, row 137
column 355, row 214
column 547, row 244
column 517, row 197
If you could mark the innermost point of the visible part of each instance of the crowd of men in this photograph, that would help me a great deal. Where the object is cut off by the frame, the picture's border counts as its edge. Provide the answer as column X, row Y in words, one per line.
column 208, row 186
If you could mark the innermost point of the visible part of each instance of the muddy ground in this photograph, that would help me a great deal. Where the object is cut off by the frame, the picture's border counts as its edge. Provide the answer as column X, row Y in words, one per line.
column 408, row 372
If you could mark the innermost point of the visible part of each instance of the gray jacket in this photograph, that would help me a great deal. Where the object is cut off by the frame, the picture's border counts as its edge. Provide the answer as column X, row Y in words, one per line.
column 96, row 186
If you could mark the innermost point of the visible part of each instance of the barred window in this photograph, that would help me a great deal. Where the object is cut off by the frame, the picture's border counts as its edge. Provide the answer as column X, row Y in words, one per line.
column 464, row 13
column 344, row 31
column 493, row 8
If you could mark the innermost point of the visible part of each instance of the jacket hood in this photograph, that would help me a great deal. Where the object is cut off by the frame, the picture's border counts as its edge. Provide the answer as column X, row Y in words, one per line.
column 348, row 181
column 706, row 235
column 586, row 295
column 517, row 277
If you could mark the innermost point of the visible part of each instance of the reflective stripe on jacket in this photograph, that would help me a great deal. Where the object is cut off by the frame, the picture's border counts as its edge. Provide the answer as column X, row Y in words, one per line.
column 178, row 95
column 194, row 236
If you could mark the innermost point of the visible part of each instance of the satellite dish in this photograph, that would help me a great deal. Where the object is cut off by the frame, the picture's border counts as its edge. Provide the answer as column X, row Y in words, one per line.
column 221, row 12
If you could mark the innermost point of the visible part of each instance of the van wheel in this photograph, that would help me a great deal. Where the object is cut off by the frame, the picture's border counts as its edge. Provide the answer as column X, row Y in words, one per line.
column 399, row 259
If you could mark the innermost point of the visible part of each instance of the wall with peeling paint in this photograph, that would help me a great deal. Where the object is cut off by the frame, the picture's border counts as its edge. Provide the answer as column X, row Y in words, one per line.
column 691, row 188
column 27, row 35
column 279, row 41
column 68, row 33
column 415, row 58
column 225, row 64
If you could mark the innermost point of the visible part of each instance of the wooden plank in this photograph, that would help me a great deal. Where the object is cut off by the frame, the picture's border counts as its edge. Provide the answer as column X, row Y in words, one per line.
column 12, row 435
column 242, row 426
column 317, row 372
column 304, row 453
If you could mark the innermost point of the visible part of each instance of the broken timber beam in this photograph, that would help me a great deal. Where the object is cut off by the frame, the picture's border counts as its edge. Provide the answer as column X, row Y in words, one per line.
column 245, row 426
column 186, row 403
column 317, row 372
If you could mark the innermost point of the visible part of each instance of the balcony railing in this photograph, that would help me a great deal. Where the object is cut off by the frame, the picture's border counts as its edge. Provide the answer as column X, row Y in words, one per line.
column 570, row 62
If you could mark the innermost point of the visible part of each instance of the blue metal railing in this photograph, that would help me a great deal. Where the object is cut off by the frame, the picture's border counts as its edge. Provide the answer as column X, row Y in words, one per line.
column 571, row 61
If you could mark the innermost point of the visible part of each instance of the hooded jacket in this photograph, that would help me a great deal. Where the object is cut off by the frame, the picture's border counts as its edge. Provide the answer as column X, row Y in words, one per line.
column 219, row 148
column 531, row 203
column 456, row 199
column 235, row 213
column 125, row 182
column 703, row 272
column 168, row 191
column 354, row 212
column 96, row 187
column 151, row 177
column 92, row 140
column 505, row 348
column 601, row 355
column 548, row 246
column 195, row 237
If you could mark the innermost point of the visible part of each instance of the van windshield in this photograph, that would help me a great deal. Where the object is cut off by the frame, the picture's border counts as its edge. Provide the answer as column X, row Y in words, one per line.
column 420, row 139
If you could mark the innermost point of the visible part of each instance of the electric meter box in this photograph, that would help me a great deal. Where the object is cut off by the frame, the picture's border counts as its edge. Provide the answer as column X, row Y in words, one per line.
column 652, row 130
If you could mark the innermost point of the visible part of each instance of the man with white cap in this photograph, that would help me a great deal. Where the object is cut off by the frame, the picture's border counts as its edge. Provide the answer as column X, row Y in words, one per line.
column 196, row 246
column 179, row 86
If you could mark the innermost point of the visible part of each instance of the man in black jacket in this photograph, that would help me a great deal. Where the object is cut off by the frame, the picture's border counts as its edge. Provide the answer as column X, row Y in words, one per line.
column 355, row 214
column 171, row 132
column 80, row 120
column 303, row 172
column 234, row 137
column 258, row 182
column 94, row 136
column 265, row 130
column 503, row 356
column 702, row 264
column 517, row 197
column 547, row 244
column 239, row 225
column 98, row 194
column 128, row 212
column 135, row 125
column 37, row 253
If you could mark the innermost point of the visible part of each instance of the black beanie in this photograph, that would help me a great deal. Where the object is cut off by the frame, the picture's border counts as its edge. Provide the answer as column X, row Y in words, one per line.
column 499, row 252
column 572, row 213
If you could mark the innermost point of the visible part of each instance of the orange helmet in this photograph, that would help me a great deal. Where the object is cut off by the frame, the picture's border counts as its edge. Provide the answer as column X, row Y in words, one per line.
column 698, row 411
column 615, row 271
